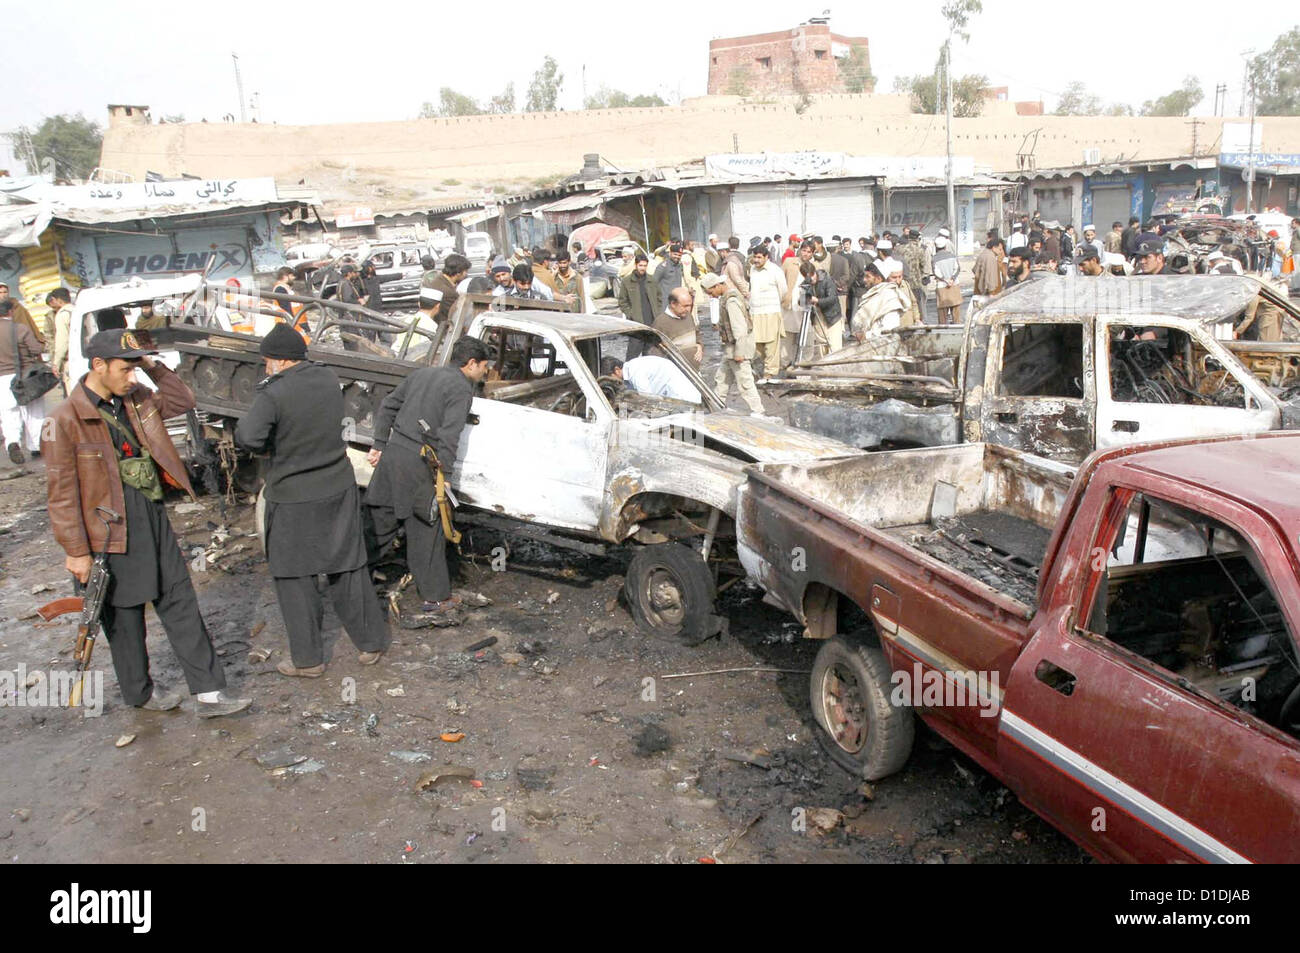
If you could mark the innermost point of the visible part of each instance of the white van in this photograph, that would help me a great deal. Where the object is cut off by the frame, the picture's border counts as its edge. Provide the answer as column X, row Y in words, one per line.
column 478, row 249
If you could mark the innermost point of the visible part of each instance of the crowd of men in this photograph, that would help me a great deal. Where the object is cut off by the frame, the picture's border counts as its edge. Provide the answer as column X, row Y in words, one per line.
column 794, row 296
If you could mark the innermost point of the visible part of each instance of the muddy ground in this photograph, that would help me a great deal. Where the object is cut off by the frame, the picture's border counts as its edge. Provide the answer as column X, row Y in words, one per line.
column 559, row 728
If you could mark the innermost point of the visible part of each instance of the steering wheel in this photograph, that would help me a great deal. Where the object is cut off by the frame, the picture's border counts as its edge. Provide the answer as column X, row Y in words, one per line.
column 573, row 403
column 611, row 387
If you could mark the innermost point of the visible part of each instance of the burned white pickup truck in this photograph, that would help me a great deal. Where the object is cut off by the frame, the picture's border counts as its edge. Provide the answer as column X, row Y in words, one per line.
column 553, row 450
column 1060, row 367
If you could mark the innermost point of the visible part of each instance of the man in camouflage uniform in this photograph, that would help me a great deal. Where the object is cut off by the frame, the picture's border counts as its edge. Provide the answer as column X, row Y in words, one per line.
column 911, row 254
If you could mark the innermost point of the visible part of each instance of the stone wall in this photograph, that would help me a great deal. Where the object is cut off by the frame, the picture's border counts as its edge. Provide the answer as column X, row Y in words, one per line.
column 461, row 155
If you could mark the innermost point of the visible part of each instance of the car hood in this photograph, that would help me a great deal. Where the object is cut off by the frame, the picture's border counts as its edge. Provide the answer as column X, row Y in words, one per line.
column 766, row 441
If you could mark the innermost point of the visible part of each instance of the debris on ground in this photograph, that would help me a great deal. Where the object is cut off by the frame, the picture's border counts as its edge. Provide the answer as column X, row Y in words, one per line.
column 534, row 775
column 411, row 757
column 653, row 739
column 279, row 758
column 825, row 819
column 123, row 741
column 437, row 776
column 442, row 619
column 757, row 759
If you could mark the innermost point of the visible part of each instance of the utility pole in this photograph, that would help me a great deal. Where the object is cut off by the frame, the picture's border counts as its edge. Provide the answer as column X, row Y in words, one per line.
column 1220, row 99
column 952, row 198
column 239, row 87
column 1245, row 73
column 1195, row 124
column 1250, row 156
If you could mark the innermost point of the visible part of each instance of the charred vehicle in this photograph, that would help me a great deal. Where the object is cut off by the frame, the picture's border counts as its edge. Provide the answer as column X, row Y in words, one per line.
column 1062, row 366
column 1193, row 238
column 1123, row 641
column 552, row 450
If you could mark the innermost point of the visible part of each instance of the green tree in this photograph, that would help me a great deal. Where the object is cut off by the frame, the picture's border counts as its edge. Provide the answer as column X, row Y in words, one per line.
column 1180, row 102
column 451, row 103
column 606, row 98
column 1276, row 74
column 1077, row 101
column 544, row 88
column 1119, row 109
column 958, row 14
column 72, row 141
column 504, row 102
column 855, row 70
column 739, row 82
column 926, row 92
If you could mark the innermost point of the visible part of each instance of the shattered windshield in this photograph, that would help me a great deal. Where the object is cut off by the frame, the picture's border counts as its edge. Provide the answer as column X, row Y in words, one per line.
column 660, row 382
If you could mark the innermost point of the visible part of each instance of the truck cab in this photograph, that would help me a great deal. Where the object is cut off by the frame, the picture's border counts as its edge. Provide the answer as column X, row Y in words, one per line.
column 1062, row 366
column 1076, row 364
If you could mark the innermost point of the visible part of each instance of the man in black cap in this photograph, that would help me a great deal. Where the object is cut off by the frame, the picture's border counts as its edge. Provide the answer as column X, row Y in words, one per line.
column 1149, row 250
column 430, row 406
column 1089, row 261
column 314, row 538
column 107, row 453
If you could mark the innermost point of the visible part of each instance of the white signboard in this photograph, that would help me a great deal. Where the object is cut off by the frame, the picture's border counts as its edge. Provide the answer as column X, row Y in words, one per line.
column 909, row 167
column 145, row 194
column 794, row 165
column 1237, row 136
column 812, row 165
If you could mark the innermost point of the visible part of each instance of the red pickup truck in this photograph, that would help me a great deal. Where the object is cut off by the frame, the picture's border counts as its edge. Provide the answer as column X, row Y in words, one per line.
column 1118, row 647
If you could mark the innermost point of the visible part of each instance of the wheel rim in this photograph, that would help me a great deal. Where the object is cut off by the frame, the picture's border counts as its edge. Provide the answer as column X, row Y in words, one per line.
column 844, row 709
column 661, row 597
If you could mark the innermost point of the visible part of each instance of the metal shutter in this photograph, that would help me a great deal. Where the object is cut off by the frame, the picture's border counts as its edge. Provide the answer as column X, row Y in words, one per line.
column 765, row 210
column 837, row 209
column 1109, row 205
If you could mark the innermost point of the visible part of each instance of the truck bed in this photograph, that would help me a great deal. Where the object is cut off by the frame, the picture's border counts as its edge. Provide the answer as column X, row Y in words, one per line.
column 985, row 511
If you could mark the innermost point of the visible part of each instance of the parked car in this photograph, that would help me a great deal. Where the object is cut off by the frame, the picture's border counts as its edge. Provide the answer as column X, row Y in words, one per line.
column 1120, row 650
column 478, row 249
column 397, row 264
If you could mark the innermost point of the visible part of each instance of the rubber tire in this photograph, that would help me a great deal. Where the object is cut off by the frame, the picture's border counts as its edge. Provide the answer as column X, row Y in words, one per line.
column 891, row 728
column 696, row 586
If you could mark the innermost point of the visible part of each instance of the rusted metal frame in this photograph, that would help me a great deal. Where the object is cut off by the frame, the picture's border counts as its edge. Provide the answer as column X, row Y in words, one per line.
column 515, row 527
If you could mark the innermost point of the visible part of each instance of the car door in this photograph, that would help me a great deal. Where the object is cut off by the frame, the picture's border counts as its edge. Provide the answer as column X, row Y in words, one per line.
column 1142, row 393
column 1135, row 761
column 1039, row 395
column 539, row 449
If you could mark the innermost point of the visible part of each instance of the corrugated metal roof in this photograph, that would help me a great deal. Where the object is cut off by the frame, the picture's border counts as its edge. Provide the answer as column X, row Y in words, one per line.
column 576, row 203
column 101, row 216
column 964, row 182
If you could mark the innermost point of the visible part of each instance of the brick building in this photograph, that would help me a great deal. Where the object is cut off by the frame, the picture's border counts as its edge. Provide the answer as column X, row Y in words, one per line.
column 803, row 60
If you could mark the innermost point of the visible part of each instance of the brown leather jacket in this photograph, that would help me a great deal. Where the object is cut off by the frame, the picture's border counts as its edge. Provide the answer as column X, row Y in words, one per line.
column 81, row 464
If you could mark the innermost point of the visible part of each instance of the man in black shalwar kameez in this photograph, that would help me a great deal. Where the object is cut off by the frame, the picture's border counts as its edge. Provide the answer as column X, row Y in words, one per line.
column 314, row 539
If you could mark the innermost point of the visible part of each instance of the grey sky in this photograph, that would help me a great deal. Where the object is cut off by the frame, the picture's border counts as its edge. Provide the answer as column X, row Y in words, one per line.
column 356, row 62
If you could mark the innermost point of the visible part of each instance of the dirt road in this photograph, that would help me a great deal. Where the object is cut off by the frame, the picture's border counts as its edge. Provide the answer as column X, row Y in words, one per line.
column 584, row 749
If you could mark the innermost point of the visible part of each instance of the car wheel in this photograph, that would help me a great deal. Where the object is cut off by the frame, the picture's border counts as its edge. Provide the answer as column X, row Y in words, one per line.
column 670, row 590
column 862, row 729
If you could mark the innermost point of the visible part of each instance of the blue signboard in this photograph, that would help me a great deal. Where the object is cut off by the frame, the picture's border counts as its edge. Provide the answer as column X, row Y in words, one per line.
column 1279, row 163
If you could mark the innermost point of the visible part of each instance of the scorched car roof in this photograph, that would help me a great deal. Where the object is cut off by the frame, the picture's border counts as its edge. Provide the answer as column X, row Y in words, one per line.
column 1198, row 297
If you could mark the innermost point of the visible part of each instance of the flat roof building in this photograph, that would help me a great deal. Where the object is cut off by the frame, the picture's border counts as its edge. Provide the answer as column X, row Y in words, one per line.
column 807, row 59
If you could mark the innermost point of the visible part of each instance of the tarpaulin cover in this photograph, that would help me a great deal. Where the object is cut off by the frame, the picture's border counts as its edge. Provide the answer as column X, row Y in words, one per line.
column 595, row 233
